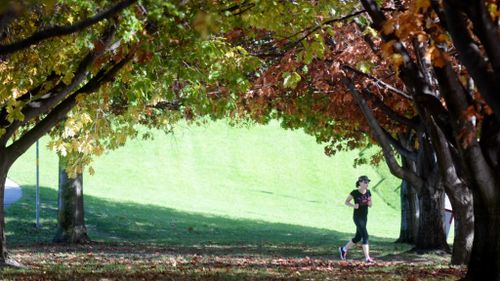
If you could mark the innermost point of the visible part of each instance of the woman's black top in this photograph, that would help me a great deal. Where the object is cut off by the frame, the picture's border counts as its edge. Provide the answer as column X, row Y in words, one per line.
column 362, row 200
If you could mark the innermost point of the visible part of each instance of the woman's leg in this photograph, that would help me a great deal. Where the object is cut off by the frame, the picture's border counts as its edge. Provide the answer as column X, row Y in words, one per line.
column 361, row 226
column 366, row 252
column 359, row 231
column 364, row 237
column 348, row 245
column 357, row 237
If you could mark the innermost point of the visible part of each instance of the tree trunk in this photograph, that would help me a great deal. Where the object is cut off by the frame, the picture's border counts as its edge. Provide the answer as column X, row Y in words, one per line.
column 464, row 233
column 409, row 198
column 409, row 215
column 5, row 260
column 430, row 230
column 463, row 212
column 3, row 243
column 451, row 167
column 485, row 259
column 431, row 234
column 71, row 219
column 484, row 263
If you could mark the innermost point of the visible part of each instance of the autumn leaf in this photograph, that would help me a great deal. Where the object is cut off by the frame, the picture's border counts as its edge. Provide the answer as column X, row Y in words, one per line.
column 388, row 27
column 388, row 47
column 423, row 5
column 397, row 60
column 436, row 57
column 234, row 34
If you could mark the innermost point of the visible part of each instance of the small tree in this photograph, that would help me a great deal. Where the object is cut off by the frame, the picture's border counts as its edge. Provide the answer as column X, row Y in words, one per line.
column 71, row 215
column 129, row 63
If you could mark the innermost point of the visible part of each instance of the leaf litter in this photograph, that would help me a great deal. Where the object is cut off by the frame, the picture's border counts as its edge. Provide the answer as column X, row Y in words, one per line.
column 101, row 261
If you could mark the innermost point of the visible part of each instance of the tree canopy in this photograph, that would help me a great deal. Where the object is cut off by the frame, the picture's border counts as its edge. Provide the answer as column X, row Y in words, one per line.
column 424, row 69
column 147, row 64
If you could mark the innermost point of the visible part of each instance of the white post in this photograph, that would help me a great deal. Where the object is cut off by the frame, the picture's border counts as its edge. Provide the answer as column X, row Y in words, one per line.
column 37, row 187
column 448, row 216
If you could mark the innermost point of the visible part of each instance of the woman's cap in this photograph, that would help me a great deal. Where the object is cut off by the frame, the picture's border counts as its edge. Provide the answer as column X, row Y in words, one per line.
column 363, row 178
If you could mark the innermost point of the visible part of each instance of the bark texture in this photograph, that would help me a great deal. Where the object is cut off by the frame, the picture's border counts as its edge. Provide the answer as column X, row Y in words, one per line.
column 71, row 216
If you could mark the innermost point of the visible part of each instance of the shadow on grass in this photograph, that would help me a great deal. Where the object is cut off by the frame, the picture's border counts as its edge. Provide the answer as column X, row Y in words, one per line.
column 125, row 222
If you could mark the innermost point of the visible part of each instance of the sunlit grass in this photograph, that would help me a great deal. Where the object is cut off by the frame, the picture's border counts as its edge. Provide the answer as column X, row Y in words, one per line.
column 263, row 173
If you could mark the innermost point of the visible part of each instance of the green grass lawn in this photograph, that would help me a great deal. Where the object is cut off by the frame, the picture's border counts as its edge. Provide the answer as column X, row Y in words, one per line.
column 213, row 184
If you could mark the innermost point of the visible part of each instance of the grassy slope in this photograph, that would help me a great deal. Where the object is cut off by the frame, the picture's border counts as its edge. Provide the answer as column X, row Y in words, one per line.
column 214, row 175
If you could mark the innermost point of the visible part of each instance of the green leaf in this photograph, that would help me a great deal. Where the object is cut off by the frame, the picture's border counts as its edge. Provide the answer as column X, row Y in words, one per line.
column 365, row 66
column 305, row 69
column 291, row 80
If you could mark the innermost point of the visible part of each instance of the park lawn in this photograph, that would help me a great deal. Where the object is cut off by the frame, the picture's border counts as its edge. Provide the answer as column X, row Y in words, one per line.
column 261, row 173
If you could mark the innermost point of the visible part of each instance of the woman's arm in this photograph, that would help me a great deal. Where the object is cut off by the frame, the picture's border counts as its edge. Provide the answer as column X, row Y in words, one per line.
column 348, row 202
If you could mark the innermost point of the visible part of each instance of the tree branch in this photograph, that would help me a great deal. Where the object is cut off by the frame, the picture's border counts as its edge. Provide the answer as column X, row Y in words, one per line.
column 59, row 113
column 26, row 98
column 399, row 147
column 456, row 100
column 368, row 39
column 379, row 134
column 409, row 72
column 61, row 90
column 378, row 81
column 391, row 113
column 311, row 30
column 308, row 31
column 445, row 159
column 487, row 32
column 471, row 57
column 167, row 105
column 6, row 17
column 239, row 8
column 425, row 66
column 55, row 31
column 380, row 104
column 378, row 18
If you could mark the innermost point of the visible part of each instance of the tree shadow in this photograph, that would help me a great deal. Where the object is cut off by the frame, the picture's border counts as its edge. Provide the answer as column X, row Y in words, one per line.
column 127, row 222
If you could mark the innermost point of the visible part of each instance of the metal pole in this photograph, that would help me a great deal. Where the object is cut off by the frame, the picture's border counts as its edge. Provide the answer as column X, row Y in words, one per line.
column 37, row 187
column 59, row 182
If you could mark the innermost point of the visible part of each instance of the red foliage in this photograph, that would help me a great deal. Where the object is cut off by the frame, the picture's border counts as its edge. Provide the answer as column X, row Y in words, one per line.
column 320, row 96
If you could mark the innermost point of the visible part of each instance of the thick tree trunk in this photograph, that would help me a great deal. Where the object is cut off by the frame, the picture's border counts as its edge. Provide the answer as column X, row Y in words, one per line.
column 71, row 217
column 431, row 234
column 485, row 257
column 451, row 170
column 430, row 231
column 409, row 199
column 3, row 243
column 463, row 212
column 5, row 260
column 409, row 215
